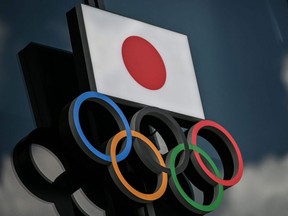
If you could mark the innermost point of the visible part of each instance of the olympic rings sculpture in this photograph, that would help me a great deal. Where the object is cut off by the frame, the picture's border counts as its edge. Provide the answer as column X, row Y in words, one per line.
column 183, row 153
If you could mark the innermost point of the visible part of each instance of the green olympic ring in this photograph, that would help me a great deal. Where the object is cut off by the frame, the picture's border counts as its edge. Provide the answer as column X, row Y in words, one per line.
column 181, row 194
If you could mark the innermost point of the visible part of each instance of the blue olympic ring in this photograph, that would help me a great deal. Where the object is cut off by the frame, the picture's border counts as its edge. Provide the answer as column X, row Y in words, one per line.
column 76, row 108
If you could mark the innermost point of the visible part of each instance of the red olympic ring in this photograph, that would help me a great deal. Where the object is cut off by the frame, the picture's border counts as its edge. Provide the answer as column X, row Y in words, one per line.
column 236, row 177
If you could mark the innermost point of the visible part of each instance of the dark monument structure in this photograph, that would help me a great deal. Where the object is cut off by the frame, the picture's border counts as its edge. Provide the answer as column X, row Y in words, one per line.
column 110, row 148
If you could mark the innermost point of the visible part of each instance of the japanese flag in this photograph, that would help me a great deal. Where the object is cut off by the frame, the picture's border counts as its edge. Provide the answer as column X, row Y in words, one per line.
column 138, row 62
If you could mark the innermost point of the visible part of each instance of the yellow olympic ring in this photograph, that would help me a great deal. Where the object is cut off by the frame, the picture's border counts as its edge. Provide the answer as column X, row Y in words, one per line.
column 128, row 189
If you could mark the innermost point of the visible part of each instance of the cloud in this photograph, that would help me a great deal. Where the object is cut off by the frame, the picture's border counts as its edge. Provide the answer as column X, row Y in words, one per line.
column 263, row 191
column 276, row 27
column 15, row 200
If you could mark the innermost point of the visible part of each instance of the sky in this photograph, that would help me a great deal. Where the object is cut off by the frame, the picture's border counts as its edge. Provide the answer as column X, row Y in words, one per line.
column 239, row 51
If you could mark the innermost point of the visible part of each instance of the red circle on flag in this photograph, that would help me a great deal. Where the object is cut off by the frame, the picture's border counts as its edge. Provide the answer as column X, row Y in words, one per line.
column 144, row 62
